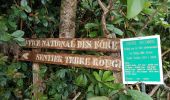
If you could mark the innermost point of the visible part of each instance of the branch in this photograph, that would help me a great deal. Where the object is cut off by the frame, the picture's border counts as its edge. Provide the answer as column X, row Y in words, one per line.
column 154, row 90
column 167, row 88
column 110, row 5
column 164, row 53
column 151, row 17
column 148, row 21
column 104, row 15
column 77, row 95
column 102, row 5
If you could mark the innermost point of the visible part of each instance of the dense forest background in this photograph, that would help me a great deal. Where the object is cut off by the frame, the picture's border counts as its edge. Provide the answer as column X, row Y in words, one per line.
column 21, row 19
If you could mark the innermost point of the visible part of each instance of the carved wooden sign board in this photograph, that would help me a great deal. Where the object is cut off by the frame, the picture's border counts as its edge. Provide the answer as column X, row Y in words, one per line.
column 93, row 44
column 87, row 61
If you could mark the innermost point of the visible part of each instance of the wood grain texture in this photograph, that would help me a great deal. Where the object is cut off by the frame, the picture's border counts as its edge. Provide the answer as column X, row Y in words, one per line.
column 86, row 61
column 93, row 44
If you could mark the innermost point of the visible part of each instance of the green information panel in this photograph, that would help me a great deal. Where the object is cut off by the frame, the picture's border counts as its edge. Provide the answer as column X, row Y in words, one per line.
column 141, row 60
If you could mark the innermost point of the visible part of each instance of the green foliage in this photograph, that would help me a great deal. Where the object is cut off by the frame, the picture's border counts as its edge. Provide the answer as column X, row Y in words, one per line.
column 81, row 80
column 136, row 95
column 24, row 18
column 113, row 29
column 24, row 5
column 11, row 79
column 134, row 7
column 98, row 98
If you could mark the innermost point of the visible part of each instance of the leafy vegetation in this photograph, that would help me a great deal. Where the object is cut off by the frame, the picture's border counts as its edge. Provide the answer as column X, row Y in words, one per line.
column 21, row 19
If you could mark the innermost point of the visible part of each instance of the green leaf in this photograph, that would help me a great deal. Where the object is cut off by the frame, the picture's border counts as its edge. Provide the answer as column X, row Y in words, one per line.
column 18, row 34
column 3, row 26
column 117, row 31
column 20, row 41
column 43, row 69
column 110, row 78
column 110, row 27
column 96, row 75
column 115, row 86
column 20, row 82
column 5, row 37
column 24, row 3
column 93, row 34
column 61, row 73
column 7, row 95
column 81, row 80
column 24, row 66
column 134, row 7
column 23, row 15
column 91, row 88
column 91, row 25
column 45, row 23
column 113, row 29
column 125, row 97
column 43, row 2
column 27, row 9
column 148, row 11
column 12, row 24
column 3, row 81
column 107, row 76
column 3, row 60
column 90, row 94
column 98, row 98
column 137, row 95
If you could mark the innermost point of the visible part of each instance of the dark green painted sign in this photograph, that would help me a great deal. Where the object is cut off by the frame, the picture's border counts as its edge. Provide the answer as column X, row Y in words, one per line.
column 141, row 60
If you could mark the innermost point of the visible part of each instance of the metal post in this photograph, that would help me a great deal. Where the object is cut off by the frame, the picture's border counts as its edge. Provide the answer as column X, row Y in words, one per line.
column 143, row 88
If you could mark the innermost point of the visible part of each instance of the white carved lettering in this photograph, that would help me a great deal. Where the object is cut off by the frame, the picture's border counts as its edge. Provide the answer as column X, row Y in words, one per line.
column 84, row 44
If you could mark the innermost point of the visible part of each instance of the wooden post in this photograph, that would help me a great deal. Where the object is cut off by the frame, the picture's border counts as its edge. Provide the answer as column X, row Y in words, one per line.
column 116, row 74
column 37, row 81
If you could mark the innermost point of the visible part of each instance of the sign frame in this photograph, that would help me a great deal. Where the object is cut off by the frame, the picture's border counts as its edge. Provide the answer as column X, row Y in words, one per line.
column 159, row 59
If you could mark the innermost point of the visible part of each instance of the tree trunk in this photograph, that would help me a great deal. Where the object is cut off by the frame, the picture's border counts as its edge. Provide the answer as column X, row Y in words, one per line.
column 67, row 18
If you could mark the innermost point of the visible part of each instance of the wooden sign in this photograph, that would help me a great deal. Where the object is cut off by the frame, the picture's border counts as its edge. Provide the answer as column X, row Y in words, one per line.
column 88, row 61
column 95, row 44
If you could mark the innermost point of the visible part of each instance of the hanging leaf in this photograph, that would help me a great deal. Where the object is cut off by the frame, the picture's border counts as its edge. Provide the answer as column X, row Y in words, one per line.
column 18, row 33
column 134, row 7
column 19, row 39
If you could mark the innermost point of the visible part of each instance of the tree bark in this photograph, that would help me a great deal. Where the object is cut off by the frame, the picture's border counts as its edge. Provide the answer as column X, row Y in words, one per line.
column 67, row 18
